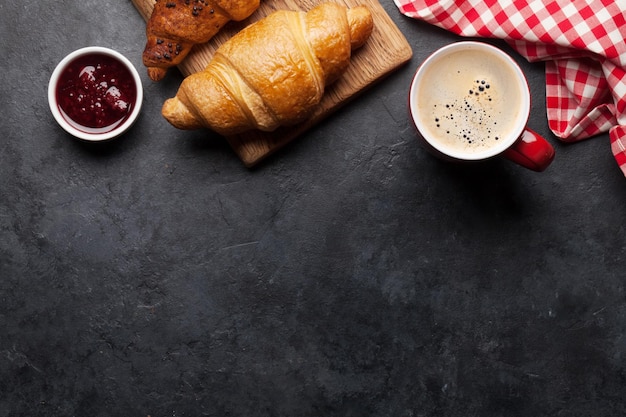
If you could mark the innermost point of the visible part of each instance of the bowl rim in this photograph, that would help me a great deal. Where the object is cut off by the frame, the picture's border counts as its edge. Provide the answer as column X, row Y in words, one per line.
column 52, row 101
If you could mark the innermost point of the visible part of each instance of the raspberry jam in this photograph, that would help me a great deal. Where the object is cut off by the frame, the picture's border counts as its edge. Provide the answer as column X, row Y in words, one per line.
column 96, row 93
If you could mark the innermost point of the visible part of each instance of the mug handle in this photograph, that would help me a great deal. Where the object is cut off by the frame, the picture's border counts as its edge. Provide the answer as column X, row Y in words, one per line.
column 531, row 151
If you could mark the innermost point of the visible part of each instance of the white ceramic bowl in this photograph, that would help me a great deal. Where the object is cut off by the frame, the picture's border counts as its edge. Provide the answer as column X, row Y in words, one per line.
column 122, row 123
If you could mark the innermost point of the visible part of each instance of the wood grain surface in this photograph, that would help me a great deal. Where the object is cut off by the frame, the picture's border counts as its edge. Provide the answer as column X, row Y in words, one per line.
column 386, row 50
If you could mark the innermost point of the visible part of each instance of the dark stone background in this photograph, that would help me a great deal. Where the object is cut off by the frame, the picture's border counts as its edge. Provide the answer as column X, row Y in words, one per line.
column 351, row 274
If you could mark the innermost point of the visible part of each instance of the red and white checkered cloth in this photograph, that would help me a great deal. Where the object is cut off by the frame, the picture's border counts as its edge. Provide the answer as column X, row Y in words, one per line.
column 582, row 42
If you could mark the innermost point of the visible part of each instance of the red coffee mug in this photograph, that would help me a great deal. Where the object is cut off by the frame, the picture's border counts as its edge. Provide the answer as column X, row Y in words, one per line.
column 470, row 101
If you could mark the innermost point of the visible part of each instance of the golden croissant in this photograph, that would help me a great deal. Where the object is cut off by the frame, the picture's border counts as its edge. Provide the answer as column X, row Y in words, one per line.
column 175, row 26
column 272, row 73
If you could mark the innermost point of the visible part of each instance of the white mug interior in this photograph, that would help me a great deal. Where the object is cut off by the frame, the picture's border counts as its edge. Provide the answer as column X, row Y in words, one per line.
column 437, row 77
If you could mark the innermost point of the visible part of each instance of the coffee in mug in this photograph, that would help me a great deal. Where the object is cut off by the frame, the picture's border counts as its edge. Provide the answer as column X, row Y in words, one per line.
column 470, row 101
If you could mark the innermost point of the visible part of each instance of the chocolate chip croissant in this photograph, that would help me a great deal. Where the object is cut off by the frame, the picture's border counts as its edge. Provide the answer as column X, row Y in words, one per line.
column 176, row 25
column 273, row 73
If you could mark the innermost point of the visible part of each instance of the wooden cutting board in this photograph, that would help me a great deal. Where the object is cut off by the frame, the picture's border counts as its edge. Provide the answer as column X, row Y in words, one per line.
column 386, row 50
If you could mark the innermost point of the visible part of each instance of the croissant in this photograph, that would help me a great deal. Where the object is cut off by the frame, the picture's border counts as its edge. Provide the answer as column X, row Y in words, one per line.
column 176, row 25
column 272, row 73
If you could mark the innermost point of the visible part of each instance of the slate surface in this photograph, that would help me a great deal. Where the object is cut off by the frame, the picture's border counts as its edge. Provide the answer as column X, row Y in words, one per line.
column 351, row 274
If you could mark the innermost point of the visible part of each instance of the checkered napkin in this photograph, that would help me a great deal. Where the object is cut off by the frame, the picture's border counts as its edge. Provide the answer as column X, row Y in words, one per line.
column 581, row 41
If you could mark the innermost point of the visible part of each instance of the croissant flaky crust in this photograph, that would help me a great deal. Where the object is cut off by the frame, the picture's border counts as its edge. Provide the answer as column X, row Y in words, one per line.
column 175, row 26
column 273, row 73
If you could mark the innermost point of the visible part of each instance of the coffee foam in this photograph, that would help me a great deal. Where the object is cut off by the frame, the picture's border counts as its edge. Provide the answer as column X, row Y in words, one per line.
column 469, row 101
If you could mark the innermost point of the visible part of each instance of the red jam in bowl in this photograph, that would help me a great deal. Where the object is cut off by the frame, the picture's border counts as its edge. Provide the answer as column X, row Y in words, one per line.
column 96, row 93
